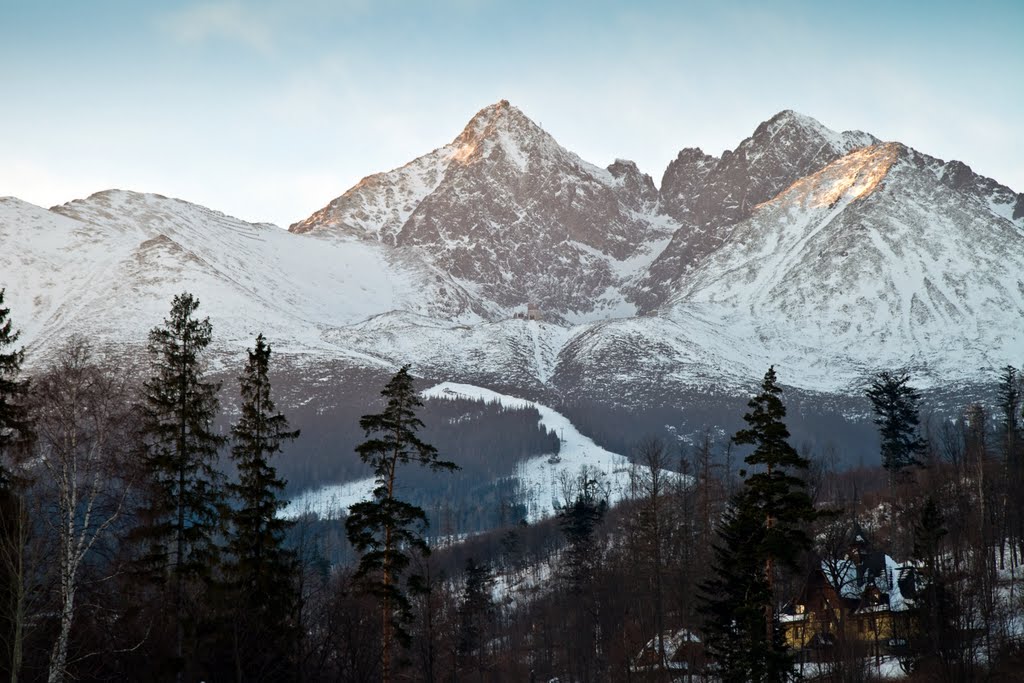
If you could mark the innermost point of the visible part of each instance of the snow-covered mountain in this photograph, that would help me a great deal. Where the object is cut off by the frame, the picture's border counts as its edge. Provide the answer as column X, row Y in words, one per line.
column 513, row 215
column 879, row 259
column 108, row 266
column 708, row 195
column 829, row 254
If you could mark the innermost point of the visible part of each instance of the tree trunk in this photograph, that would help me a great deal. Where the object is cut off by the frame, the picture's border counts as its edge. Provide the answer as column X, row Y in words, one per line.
column 179, row 585
column 60, row 648
column 15, row 538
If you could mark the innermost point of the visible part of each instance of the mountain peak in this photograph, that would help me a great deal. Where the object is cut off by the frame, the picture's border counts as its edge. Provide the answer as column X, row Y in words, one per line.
column 484, row 118
column 790, row 117
column 504, row 125
column 711, row 194
column 791, row 127
column 502, row 134
column 497, row 116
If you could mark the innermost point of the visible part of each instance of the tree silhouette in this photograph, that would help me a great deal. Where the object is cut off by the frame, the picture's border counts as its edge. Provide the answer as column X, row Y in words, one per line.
column 181, row 517
column 386, row 530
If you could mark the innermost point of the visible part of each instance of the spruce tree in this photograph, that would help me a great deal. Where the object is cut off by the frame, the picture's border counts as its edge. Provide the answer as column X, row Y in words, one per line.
column 895, row 404
column 579, row 521
column 260, row 571
column 933, row 608
column 733, row 600
column 476, row 615
column 14, row 417
column 185, row 492
column 386, row 529
column 15, row 430
column 776, row 490
column 765, row 532
column 1009, row 402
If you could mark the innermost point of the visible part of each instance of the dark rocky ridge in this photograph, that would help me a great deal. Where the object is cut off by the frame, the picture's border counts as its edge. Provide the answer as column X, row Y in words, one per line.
column 517, row 214
column 708, row 195
column 507, row 210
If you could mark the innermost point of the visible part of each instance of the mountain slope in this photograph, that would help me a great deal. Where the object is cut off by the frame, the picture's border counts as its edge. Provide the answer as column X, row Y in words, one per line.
column 121, row 256
column 514, row 215
column 708, row 195
column 857, row 256
column 873, row 262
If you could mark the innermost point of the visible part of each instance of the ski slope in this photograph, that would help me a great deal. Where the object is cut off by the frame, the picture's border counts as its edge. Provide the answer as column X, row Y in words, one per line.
column 548, row 480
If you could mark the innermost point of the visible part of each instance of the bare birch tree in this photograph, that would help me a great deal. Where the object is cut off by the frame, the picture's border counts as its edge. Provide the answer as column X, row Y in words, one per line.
column 82, row 415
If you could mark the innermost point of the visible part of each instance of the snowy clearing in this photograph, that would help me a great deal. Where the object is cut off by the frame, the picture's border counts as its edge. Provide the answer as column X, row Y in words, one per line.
column 546, row 479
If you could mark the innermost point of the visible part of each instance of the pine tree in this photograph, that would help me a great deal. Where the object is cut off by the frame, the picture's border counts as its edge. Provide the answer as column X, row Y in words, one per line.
column 185, row 493
column 933, row 605
column 778, row 493
column 733, row 600
column 895, row 403
column 15, row 425
column 15, row 431
column 765, row 532
column 260, row 571
column 476, row 614
column 386, row 530
column 579, row 521
column 1009, row 402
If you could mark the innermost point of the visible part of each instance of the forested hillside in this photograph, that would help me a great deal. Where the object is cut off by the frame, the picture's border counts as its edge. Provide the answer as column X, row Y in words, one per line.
column 142, row 535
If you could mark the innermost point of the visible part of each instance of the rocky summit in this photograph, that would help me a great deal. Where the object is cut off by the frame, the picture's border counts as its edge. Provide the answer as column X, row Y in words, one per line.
column 504, row 259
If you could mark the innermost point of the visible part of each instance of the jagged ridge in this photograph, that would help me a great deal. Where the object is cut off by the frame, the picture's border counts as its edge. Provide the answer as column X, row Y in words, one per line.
column 829, row 254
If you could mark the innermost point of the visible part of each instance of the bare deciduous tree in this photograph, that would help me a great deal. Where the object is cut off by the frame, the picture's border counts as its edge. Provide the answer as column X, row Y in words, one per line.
column 81, row 421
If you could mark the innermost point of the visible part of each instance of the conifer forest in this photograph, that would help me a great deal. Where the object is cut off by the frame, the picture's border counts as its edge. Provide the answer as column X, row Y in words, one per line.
column 142, row 538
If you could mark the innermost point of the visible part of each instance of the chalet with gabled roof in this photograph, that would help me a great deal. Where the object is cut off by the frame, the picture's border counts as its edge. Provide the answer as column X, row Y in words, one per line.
column 864, row 598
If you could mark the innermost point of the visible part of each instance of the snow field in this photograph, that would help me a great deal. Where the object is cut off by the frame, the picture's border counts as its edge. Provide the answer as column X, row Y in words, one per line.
column 547, row 479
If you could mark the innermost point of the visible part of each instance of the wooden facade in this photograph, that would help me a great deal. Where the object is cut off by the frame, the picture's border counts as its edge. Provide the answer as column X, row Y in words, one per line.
column 861, row 602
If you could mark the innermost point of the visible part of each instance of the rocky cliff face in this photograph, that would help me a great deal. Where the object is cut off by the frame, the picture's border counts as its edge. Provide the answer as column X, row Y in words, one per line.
column 873, row 261
column 828, row 254
column 509, row 210
column 708, row 195
column 784, row 148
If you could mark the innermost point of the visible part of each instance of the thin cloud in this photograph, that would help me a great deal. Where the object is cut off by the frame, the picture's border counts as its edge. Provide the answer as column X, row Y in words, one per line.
column 216, row 21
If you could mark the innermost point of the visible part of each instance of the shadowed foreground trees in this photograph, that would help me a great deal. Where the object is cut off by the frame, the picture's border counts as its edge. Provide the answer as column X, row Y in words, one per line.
column 895, row 404
column 15, row 422
column 15, row 432
column 586, row 506
column 259, row 570
column 594, row 593
column 766, row 528
column 84, row 434
column 387, row 530
column 183, row 488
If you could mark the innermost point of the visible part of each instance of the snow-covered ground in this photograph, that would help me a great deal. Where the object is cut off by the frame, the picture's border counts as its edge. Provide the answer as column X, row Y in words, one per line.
column 110, row 264
column 887, row 668
column 330, row 502
column 547, row 479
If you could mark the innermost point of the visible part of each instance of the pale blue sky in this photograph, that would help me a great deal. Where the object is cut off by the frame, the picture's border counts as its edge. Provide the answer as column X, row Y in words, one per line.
column 267, row 110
